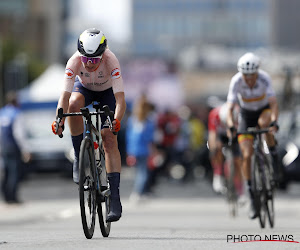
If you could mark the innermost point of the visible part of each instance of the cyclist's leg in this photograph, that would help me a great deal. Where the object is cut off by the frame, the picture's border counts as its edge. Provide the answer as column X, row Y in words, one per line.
column 264, row 122
column 112, row 157
column 217, row 160
column 247, row 119
column 237, row 161
column 247, row 152
column 80, row 98
column 113, row 167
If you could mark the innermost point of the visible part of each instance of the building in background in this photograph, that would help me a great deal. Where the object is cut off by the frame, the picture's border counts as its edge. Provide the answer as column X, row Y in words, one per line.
column 165, row 28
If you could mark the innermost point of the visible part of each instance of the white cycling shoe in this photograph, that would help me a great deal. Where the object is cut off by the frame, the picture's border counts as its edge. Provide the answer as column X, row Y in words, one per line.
column 218, row 184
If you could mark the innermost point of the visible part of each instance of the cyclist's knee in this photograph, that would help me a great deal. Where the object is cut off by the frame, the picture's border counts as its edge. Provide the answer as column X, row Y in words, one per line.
column 75, row 103
column 109, row 141
column 247, row 155
column 263, row 123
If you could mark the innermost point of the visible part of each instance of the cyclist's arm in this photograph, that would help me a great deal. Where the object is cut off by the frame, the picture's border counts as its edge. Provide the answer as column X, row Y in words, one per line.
column 274, row 108
column 230, row 121
column 71, row 70
column 63, row 101
column 120, row 105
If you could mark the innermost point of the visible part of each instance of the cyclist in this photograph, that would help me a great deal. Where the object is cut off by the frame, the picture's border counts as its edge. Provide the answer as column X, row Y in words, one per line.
column 93, row 74
column 252, row 89
column 217, row 138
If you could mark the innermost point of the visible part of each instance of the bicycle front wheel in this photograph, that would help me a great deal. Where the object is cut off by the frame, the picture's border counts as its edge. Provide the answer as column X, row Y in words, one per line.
column 268, row 176
column 87, row 190
column 104, row 203
column 258, row 189
column 231, row 193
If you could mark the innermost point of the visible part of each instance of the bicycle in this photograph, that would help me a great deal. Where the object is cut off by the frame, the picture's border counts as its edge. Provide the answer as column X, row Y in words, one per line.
column 230, row 192
column 262, row 177
column 94, row 191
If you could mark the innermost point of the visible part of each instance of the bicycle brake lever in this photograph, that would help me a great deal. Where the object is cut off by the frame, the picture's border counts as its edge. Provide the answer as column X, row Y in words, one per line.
column 60, row 113
column 110, row 116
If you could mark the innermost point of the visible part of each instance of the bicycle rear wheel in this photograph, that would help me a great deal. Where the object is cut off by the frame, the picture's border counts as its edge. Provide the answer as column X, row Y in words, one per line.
column 87, row 191
column 268, row 176
column 231, row 194
column 104, row 201
column 258, row 189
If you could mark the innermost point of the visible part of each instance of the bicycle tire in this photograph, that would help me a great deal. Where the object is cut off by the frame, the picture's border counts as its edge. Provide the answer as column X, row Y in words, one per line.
column 231, row 194
column 87, row 190
column 258, row 192
column 268, row 176
column 103, row 204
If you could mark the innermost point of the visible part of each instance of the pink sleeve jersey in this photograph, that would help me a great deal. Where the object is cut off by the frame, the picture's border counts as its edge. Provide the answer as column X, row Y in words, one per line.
column 107, row 75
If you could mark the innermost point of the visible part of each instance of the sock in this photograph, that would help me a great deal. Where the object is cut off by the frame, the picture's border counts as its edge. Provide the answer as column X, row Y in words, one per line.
column 217, row 168
column 76, row 140
column 249, row 188
column 114, row 183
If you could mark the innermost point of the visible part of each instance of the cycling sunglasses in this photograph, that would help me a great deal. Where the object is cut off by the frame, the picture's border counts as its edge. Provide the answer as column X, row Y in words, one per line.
column 93, row 60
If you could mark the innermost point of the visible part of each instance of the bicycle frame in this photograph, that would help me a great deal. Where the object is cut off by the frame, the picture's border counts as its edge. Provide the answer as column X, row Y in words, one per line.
column 94, row 181
column 261, row 177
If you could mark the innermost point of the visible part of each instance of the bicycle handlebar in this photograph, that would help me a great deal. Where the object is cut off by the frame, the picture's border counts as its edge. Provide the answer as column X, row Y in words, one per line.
column 254, row 131
column 85, row 112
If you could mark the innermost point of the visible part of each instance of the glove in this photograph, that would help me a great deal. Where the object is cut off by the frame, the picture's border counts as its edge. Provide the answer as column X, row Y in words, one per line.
column 117, row 125
column 232, row 131
column 274, row 124
column 54, row 127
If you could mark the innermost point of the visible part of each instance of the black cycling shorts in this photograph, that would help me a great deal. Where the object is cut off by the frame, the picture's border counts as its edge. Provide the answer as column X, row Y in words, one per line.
column 248, row 118
column 105, row 97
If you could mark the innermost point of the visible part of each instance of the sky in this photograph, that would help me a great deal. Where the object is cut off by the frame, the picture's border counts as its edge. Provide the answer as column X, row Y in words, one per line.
column 114, row 16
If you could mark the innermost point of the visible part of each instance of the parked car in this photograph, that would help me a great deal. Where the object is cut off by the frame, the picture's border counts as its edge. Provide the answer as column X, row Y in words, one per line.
column 48, row 152
column 289, row 146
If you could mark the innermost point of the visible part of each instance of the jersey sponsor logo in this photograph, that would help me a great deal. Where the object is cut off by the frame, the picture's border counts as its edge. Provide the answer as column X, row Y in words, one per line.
column 254, row 99
column 95, row 83
column 69, row 73
column 115, row 73
column 100, row 75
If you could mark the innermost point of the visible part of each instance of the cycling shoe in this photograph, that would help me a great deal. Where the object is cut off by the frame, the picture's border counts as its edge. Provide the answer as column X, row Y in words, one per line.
column 115, row 212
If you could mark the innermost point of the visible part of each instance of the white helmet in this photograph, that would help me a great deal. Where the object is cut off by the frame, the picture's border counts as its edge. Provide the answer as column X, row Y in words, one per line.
column 248, row 64
column 92, row 43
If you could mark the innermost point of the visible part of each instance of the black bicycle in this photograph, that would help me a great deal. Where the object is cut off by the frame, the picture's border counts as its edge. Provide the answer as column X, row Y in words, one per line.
column 262, row 176
column 231, row 193
column 94, row 191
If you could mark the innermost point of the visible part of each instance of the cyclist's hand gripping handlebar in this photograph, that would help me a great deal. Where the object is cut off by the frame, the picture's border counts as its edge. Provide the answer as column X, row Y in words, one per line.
column 59, row 117
column 110, row 118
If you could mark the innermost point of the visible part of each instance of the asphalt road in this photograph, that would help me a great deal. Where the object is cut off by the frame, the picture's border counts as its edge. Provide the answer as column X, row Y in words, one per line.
column 179, row 216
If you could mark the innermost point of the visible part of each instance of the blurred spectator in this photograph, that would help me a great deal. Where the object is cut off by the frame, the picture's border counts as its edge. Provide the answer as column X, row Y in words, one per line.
column 217, row 139
column 168, row 129
column 139, row 138
column 12, row 146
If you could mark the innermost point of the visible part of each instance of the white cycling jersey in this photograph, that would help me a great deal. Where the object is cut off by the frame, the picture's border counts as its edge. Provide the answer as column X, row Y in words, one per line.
column 251, row 99
column 107, row 75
